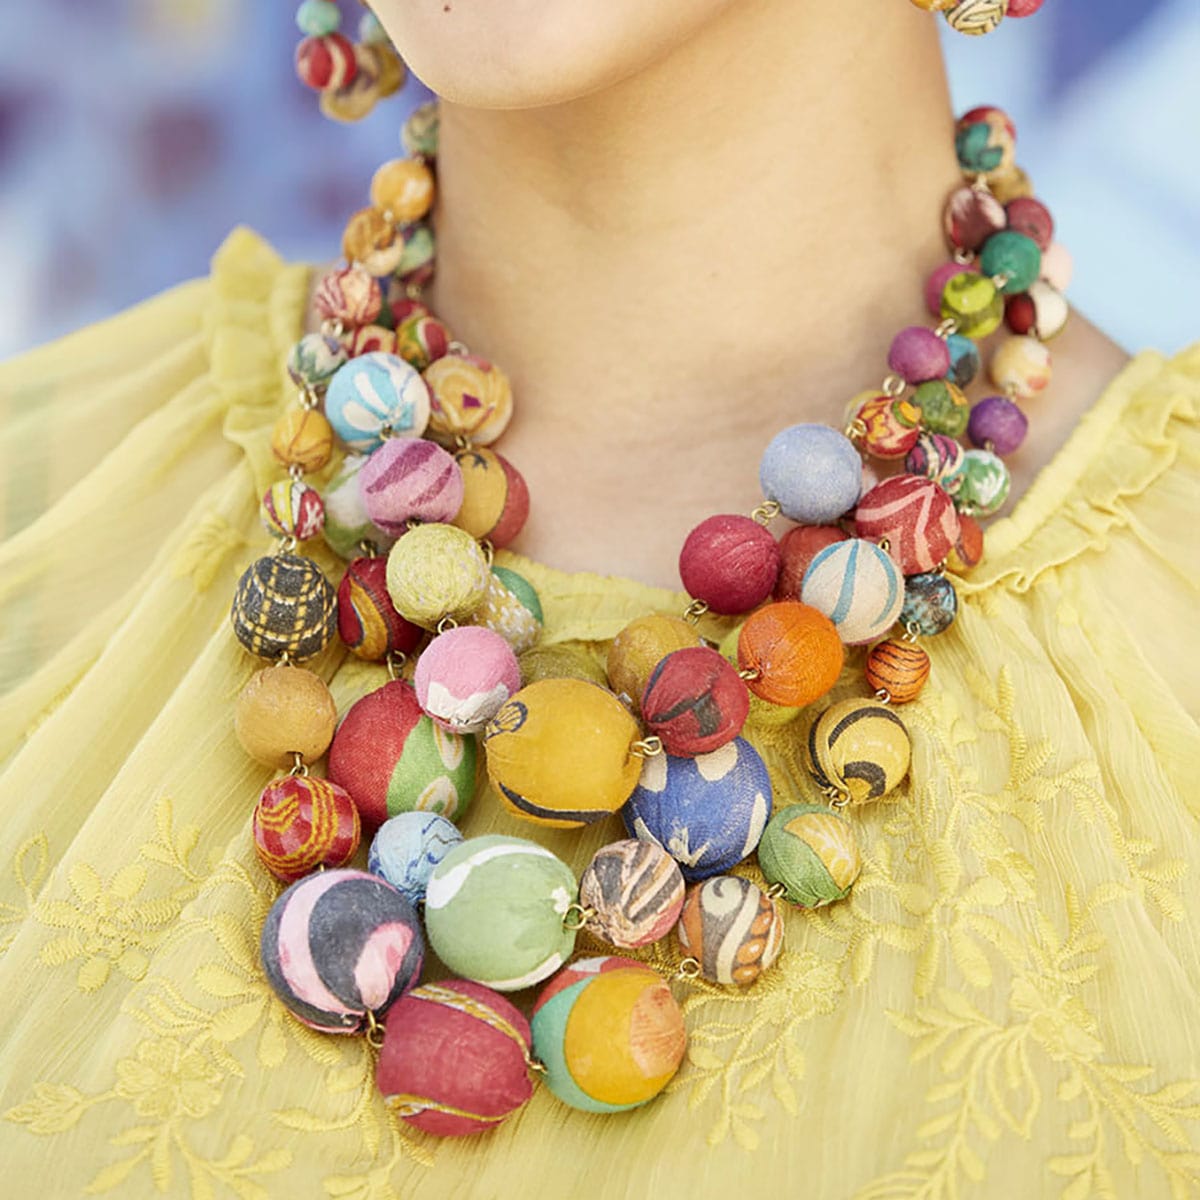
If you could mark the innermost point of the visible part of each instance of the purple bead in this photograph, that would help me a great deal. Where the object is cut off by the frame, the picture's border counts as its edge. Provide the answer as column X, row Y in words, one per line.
column 998, row 420
column 918, row 355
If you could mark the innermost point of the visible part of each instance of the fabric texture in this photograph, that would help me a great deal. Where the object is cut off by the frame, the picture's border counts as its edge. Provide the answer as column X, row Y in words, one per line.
column 1005, row 1005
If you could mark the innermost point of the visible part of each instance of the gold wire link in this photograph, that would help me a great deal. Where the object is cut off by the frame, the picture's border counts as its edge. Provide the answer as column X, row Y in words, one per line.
column 581, row 917
column 777, row 891
column 946, row 328
column 766, row 512
column 463, row 441
column 980, row 183
column 456, row 347
column 375, row 1031
column 750, row 674
column 885, row 544
column 333, row 328
column 856, row 430
column 695, row 611
column 688, row 970
column 414, row 291
column 648, row 747
column 308, row 398
column 295, row 472
column 940, row 569
column 446, row 623
column 286, row 545
column 1011, row 390
column 893, row 386
column 299, row 766
column 911, row 632
column 535, row 1064
column 883, row 695
column 489, row 551
column 285, row 659
column 395, row 662
column 1001, row 281
column 837, row 799
column 368, row 549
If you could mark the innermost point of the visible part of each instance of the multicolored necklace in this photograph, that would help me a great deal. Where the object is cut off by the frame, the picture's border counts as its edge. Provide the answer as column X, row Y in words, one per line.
column 420, row 502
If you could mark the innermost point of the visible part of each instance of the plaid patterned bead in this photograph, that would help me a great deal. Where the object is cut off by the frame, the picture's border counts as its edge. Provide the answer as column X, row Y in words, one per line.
column 283, row 603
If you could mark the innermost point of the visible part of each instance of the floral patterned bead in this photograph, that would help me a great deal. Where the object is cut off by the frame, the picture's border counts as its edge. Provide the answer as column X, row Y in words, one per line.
column 314, row 360
column 891, row 425
column 930, row 604
column 292, row 509
column 971, row 216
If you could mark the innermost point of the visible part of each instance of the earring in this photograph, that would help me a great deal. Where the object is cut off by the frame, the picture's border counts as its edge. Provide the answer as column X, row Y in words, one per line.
column 351, row 77
column 976, row 17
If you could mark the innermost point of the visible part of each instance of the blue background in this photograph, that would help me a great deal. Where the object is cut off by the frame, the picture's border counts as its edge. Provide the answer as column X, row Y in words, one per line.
column 135, row 133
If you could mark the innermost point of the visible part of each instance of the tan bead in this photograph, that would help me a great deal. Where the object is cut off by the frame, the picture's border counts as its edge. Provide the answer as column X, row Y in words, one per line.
column 284, row 711
column 935, row 5
column 640, row 647
column 372, row 241
column 392, row 72
column 403, row 187
column 303, row 438
column 1010, row 185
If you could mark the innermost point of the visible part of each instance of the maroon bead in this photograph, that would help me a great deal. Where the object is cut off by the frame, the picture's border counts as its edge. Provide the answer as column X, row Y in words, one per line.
column 1020, row 313
column 996, row 419
column 695, row 701
column 970, row 217
column 1032, row 218
column 918, row 354
column 730, row 562
column 799, row 546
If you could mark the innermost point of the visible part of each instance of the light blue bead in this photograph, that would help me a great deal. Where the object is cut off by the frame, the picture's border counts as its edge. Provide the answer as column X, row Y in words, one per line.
column 407, row 848
column 373, row 391
column 964, row 360
column 813, row 472
column 316, row 18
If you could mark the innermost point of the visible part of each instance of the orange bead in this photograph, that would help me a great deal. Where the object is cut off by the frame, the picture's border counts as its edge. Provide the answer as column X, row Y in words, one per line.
column 898, row 668
column 303, row 438
column 968, row 550
column 795, row 651
column 284, row 711
column 404, row 188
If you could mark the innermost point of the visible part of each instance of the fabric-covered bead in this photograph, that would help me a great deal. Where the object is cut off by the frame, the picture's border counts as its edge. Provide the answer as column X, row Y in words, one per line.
column 377, row 396
column 707, row 812
column 996, row 419
column 455, row 1059
column 858, row 586
column 422, row 339
column 347, row 527
column 943, row 407
column 898, row 669
column 302, row 438
column 495, row 909
column 283, row 711
column 1042, row 311
column 291, row 509
column 976, row 17
column 495, row 503
column 985, row 140
column 974, row 302
column 930, row 604
column 985, row 483
column 968, row 550
column 512, row 609
column 1010, row 185
column 283, row 604
column 372, row 339
column 318, row 17
column 559, row 752
column 407, row 847
column 464, row 676
column 325, row 62
column 794, row 652
column 409, row 479
column 301, row 824
column 339, row 945
column 392, row 758
column 938, row 457
column 368, row 622
column 695, row 702
column 314, row 360
column 797, row 548
column 812, row 853
column 890, row 425
column 420, row 250
column 355, row 99
column 560, row 662
column 1013, row 256
column 635, row 891
column 812, row 472
column 403, row 188
column 730, row 562
column 420, row 132
column 1032, row 218
column 390, row 70
column 349, row 294
column 935, row 284
column 858, row 749
column 609, row 1033
column 918, row 354
column 732, row 928
column 1021, row 366
column 1057, row 266
column 640, row 647
column 437, row 571
column 970, row 217
column 1024, row 8
column 915, row 515
column 472, row 399
column 964, row 360
column 373, row 242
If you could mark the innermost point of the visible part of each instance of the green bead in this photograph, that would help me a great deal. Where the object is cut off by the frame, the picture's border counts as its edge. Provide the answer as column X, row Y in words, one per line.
column 1014, row 256
column 811, row 852
column 973, row 301
column 522, row 589
column 985, row 483
column 317, row 18
column 944, row 408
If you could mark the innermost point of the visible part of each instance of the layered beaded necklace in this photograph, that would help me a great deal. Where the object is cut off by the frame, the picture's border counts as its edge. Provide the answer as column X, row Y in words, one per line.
column 418, row 505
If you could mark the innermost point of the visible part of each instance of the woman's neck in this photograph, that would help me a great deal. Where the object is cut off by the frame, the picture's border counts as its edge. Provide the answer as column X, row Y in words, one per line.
column 673, row 269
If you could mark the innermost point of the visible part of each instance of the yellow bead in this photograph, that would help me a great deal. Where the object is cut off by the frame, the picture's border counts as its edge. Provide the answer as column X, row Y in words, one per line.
column 640, row 647
column 973, row 301
column 284, row 711
column 560, row 753
column 859, row 749
column 559, row 662
column 302, row 438
column 1021, row 367
column 471, row 399
column 371, row 240
column 437, row 571
column 404, row 188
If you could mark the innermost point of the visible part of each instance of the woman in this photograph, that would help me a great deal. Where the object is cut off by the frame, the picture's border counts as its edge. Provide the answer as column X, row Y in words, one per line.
column 679, row 232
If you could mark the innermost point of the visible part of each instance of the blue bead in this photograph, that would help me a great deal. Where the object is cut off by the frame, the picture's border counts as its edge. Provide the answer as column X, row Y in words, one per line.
column 813, row 472
column 317, row 18
column 407, row 848
column 930, row 604
column 964, row 360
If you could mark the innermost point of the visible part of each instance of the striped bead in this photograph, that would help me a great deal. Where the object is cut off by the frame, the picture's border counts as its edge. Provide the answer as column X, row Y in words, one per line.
column 301, row 824
column 349, row 294
column 858, row 749
column 732, row 928
column 635, row 891
column 858, row 586
column 915, row 516
column 976, row 17
column 409, row 479
column 291, row 509
column 898, row 669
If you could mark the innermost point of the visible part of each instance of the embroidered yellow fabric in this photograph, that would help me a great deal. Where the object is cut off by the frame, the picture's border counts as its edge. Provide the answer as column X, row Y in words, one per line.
column 1006, row 1005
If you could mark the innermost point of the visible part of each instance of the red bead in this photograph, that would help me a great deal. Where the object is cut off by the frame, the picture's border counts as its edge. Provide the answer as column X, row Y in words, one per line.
column 1024, row 8
column 326, row 62
column 301, row 824
column 1020, row 313
column 367, row 619
column 798, row 547
column 695, row 701
column 1032, row 218
column 730, row 562
column 915, row 516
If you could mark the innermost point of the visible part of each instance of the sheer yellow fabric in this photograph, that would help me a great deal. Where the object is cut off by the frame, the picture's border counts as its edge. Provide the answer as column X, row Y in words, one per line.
column 1006, row 1005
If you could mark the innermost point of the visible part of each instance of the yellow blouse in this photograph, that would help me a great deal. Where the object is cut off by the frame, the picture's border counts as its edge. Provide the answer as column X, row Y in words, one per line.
column 1007, row 1004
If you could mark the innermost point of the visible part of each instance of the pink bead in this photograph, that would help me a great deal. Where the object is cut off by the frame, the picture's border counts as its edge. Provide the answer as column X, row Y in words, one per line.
column 409, row 479
column 1032, row 218
column 935, row 285
column 918, row 354
column 971, row 216
column 464, row 676
column 1057, row 266
column 730, row 562
column 1024, row 8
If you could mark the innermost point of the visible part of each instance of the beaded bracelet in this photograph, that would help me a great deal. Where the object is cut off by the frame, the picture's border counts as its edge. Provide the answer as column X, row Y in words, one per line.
column 419, row 503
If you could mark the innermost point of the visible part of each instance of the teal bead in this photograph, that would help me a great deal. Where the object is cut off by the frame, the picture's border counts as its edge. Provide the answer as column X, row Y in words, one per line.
column 316, row 18
column 944, row 408
column 930, row 604
column 1014, row 256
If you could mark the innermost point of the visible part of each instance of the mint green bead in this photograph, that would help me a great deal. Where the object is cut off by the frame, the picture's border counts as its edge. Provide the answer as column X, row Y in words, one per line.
column 1014, row 256
column 494, row 911
column 974, row 303
column 985, row 483
column 944, row 408
column 317, row 18
column 811, row 852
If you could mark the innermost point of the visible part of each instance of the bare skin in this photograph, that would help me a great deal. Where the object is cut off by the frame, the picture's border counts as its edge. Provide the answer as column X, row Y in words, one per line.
column 674, row 266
